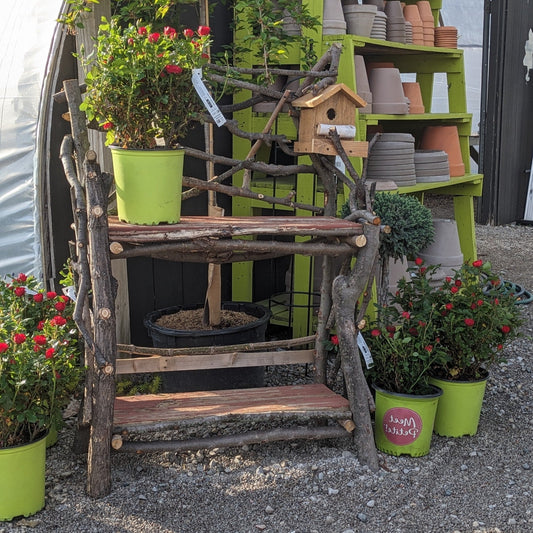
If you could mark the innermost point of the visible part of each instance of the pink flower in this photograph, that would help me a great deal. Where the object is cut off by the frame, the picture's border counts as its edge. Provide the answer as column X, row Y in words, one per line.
column 469, row 322
column 204, row 30
column 20, row 291
column 173, row 69
column 188, row 33
column 19, row 338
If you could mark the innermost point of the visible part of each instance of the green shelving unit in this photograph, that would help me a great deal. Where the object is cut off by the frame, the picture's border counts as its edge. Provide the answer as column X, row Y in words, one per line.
column 422, row 62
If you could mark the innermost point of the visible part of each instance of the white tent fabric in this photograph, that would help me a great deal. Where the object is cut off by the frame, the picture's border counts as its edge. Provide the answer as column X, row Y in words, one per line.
column 28, row 34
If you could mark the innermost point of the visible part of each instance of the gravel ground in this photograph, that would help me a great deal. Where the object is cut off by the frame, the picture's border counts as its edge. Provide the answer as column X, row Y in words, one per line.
column 471, row 484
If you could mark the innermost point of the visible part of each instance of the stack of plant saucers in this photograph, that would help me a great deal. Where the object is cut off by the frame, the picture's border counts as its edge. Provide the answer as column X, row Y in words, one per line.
column 395, row 21
column 379, row 27
column 392, row 158
column 431, row 166
column 446, row 36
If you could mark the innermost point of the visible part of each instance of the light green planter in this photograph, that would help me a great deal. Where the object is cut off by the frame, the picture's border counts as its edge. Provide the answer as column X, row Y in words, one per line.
column 148, row 185
column 459, row 407
column 22, row 476
column 404, row 422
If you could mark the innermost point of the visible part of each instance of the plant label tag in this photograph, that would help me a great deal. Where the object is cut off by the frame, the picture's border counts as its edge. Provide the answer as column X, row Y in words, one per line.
column 365, row 350
column 206, row 98
column 70, row 291
column 340, row 164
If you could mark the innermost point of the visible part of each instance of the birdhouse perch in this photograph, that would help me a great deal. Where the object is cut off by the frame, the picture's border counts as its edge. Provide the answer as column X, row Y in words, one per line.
column 335, row 108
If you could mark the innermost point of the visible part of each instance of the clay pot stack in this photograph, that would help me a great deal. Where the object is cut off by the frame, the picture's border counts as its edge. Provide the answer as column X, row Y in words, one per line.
column 361, row 83
column 413, row 93
column 359, row 18
column 445, row 138
column 395, row 21
column 387, row 91
column 392, row 159
column 379, row 28
column 428, row 22
column 333, row 22
column 408, row 32
column 412, row 15
column 446, row 36
column 431, row 166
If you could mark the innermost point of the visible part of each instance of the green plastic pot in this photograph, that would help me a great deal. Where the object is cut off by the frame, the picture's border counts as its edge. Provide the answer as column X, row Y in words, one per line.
column 148, row 185
column 22, row 476
column 459, row 407
column 404, row 422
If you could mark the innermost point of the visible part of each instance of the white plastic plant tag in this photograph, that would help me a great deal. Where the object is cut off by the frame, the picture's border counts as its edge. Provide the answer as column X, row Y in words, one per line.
column 70, row 291
column 206, row 98
column 340, row 164
column 365, row 350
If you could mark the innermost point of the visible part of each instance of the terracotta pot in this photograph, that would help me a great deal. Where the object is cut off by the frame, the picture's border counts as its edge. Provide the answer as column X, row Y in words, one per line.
column 333, row 20
column 387, row 91
column 412, row 91
column 445, row 138
column 359, row 19
column 412, row 15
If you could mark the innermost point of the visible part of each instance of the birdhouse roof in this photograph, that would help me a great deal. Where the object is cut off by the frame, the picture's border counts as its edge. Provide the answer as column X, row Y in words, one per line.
column 310, row 100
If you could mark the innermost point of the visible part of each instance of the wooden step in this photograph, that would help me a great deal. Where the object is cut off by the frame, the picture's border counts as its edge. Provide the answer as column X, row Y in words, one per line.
column 151, row 412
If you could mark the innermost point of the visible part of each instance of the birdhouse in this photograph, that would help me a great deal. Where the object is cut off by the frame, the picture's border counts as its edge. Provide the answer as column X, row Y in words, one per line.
column 335, row 108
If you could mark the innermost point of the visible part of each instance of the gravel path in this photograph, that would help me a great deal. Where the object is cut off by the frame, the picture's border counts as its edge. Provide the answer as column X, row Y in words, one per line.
column 472, row 484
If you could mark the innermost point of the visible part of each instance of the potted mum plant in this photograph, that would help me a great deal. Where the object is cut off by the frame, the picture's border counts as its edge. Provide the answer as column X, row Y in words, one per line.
column 39, row 370
column 474, row 321
column 405, row 347
column 140, row 91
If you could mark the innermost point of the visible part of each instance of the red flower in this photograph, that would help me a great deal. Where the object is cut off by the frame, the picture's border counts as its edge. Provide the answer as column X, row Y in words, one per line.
column 38, row 298
column 406, row 315
column 154, row 37
column 421, row 323
column 173, row 69
column 469, row 322
column 506, row 329
column 477, row 263
column 49, row 353
column 51, row 295
column 429, row 348
column 142, row 30
column 188, row 33
column 458, row 282
column 58, row 375
column 20, row 291
column 131, row 41
column 60, row 306
column 19, row 338
column 391, row 329
column 58, row 320
column 413, row 332
column 40, row 325
column 449, row 306
column 22, row 277
column 204, row 30
column 170, row 32
column 473, row 306
column 334, row 340
column 66, row 299
column 448, row 279
column 423, row 270
column 496, row 301
column 39, row 339
column 108, row 126
column 454, row 289
column 375, row 333
column 205, row 56
column 500, row 346
column 419, row 261
column 4, row 347
column 480, row 303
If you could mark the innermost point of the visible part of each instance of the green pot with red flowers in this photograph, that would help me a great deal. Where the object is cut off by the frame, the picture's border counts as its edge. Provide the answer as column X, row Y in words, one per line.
column 140, row 92
column 39, row 371
column 474, row 322
column 405, row 346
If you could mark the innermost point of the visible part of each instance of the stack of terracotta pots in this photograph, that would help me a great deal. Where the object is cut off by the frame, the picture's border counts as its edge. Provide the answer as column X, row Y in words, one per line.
column 428, row 22
column 445, row 138
column 411, row 89
column 446, row 36
column 412, row 15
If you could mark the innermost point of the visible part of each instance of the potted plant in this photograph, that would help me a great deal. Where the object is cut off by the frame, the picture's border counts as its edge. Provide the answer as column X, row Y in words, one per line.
column 140, row 91
column 39, row 370
column 405, row 347
column 474, row 320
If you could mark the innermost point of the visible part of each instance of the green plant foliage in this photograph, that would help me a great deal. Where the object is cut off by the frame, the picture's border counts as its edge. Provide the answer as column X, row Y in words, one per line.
column 130, row 386
column 411, row 224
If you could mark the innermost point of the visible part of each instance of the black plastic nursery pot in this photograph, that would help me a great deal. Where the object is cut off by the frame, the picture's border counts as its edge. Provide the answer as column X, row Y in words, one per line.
column 219, row 378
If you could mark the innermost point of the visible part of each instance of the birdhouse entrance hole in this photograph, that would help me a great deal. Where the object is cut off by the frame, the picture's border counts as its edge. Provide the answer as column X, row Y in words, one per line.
column 331, row 113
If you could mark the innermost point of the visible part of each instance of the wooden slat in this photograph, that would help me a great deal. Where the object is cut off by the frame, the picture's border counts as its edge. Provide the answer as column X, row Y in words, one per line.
column 164, row 411
column 156, row 363
column 196, row 227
